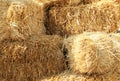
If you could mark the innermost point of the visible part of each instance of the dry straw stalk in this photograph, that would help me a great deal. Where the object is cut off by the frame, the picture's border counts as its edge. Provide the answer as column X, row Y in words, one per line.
column 32, row 59
column 92, row 53
column 100, row 16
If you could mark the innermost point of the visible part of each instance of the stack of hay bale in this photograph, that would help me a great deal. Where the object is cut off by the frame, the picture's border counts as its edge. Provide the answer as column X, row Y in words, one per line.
column 92, row 57
column 29, row 54
column 26, row 52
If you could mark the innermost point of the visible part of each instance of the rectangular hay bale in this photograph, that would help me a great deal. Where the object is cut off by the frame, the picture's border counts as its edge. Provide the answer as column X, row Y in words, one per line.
column 32, row 59
column 92, row 53
column 100, row 16
column 116, row 40
column 21, row 20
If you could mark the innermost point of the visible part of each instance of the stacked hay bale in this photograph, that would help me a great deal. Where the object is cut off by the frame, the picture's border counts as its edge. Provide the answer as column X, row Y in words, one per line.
column 37, row 55
column 30, row 21
column 92, row 53
column 92, row 57
column 32, row 59
column 22, row 20
column 116, row 40
column 99, row 16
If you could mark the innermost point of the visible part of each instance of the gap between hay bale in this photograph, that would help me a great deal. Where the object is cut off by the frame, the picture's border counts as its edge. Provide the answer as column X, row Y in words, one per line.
column 100, row 16
column 32, row 59
column 91, row 53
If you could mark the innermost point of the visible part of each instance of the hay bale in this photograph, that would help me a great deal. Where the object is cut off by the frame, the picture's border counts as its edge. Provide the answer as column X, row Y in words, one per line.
column 68, row 76
column 92, row 53
column 23, row 20
column 100, row 16
column 116, row 39
column 32, row 59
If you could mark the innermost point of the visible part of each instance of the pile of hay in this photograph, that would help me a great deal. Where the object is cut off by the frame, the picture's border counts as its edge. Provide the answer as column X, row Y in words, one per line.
column 32, row 59
column 99, row 16
column 92, row 53
column 68, row 76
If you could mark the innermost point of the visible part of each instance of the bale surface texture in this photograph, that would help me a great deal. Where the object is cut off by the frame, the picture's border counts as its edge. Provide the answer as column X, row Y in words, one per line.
column 21, row 20
column 100, row 16
column 92, row 53
column 29, row 60
column 116, row 39
column 68, row 3
column 68, row 76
